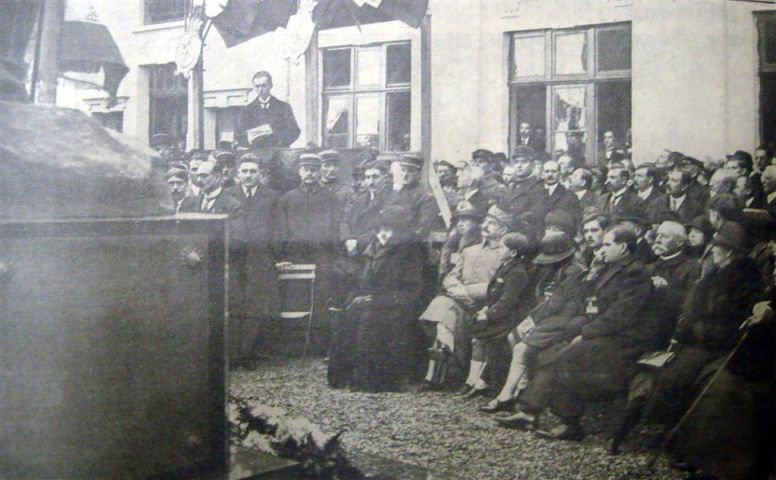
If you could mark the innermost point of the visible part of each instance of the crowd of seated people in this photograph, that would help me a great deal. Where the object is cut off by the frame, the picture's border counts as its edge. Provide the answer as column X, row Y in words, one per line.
column 556, row 284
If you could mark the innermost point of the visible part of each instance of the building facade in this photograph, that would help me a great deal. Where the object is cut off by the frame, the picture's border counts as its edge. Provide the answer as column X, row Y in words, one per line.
column 692, row 76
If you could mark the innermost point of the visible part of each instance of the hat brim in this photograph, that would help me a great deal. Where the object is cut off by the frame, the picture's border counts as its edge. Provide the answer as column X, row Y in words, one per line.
column 506, row 223
column 548, row 259
column 731, row 245
column 407, row 164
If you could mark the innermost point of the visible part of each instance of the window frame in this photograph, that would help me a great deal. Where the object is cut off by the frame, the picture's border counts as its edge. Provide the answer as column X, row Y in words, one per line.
column 353, row 91
column 550, row 80
column 148, row 14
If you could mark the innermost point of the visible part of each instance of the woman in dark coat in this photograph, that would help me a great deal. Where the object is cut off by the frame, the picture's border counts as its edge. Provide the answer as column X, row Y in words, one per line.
column 385, row 307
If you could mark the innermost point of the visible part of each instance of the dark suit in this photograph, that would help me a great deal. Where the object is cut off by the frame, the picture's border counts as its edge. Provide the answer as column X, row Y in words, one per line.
column 359, row 216
column 689, row 209
column 603, row 361
column 224, row 204
column 589, row 199
column 628, row 202
column 680, row 272
column 653, row 195
column 424, row 211
column 522, row 196
column 343, row 191
column 561, row 199
column 534, row 142
column 278, row 115
column 255, row 267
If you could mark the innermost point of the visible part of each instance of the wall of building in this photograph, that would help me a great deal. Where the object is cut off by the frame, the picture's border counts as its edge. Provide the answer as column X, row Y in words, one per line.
column 694, row 69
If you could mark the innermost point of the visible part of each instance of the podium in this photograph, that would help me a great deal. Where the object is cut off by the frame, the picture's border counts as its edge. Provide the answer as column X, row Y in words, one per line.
column 113, row 357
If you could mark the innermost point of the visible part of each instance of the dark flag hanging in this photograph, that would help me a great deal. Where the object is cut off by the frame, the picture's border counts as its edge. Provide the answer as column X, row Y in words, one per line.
column 242, row 20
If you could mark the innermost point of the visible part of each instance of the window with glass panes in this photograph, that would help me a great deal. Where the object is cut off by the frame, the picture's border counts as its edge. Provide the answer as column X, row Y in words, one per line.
column 161, row 11
column 571, row 86
column 168, row 97
column 366, row 96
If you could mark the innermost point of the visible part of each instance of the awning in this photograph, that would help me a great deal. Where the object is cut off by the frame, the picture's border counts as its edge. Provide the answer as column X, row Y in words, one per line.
column 243, row 20
column 87, row 47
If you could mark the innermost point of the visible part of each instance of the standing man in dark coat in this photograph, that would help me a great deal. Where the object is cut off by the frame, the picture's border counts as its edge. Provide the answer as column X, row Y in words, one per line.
column 309, row 230
column 330, row 165
column 409, row 191
column 254, row 267
column 524, row 190
column 677, row 199
column 266, row 122
column 619, row 198
column 602, row 359
column 554, row 195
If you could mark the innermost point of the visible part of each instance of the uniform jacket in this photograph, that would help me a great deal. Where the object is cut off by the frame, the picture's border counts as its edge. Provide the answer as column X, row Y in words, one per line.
column 278, row 115
column 342, row 190
column 477, row 265
column 309, row 221
column 491, row 189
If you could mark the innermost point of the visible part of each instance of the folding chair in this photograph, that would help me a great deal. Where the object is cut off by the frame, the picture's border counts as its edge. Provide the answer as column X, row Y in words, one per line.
column 293, row 272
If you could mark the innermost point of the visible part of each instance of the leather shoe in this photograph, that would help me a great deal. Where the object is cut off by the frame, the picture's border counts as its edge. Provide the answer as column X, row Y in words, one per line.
column 564, row 432
column 474, row 393
column 463, row 390
column 427, row 386
column 497, row 405
column 519, row 420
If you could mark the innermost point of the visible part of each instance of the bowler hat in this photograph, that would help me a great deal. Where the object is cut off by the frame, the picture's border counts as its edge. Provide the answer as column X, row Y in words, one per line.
column 329, row 156
column 500, row 216
column 554, row 247
column 465, row 209
column 560, row 219
column 522, row 151
column 732, row 235
column 740, row 154
column 309, row 159
column 414, row 160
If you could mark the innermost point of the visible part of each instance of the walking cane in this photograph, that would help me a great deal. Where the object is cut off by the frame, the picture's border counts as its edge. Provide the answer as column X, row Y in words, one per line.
column 651, row 462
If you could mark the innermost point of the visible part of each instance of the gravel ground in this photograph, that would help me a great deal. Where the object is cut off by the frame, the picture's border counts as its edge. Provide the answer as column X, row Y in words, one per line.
column 437, row 431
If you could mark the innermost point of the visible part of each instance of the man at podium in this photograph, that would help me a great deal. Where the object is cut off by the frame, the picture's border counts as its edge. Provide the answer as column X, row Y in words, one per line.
column 266, row 121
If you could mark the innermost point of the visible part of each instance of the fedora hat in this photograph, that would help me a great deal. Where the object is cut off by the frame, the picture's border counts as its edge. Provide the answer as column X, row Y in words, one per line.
column 554, row 247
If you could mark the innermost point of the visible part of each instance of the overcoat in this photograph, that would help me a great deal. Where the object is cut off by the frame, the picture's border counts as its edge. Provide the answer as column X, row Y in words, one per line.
column 386, row 329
